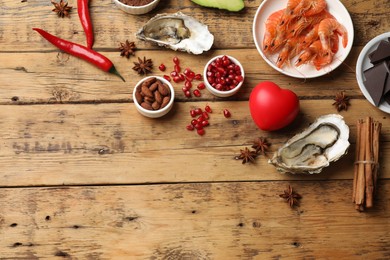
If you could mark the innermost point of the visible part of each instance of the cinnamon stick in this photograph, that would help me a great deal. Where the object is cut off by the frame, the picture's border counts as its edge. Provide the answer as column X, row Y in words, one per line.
column 366, row 163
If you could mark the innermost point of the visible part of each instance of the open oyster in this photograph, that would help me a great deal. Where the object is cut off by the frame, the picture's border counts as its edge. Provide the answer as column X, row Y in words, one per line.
column 177, row 32
column 325, row 141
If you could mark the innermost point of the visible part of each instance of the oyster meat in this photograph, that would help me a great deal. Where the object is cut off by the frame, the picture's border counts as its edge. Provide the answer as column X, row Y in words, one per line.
column 177, row 32
column 325, row 141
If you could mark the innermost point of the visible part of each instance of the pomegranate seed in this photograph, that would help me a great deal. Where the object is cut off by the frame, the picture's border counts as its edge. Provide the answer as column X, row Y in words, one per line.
column 177, row 68
column 191, row 74
column 200, row 119
column 198, row 126
column 194, row 122
column 182, row 77
column 198, row 77
column 205, row 123
column 162, row 67
column 201, row 86
column 198, row 111
column 208, row 109
column 197, row 93
column 176, row 79
column 188, row 84
column 201, row 131
column 187, row 94
column 186, row 71
column 190, row 127
column 184, row 89
column 193, row 113
column 176, row 60
column 238, row 78
column 167, row 78
column 226, row 113
column 205, row 115
column 174, row 74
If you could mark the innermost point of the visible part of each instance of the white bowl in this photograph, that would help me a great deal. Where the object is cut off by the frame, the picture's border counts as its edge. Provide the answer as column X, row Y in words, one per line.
column 137, row 10
column 226, row 93
column 363, row 63
column 154, row 113
column 335, row 7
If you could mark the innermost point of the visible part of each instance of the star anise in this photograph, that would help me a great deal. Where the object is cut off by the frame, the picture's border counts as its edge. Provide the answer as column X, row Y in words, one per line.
column 143, row 66
column 127, row 48
column 62, row 9
column 291, row 196
column 261, row 145
column 246, row 156
column 341, row 101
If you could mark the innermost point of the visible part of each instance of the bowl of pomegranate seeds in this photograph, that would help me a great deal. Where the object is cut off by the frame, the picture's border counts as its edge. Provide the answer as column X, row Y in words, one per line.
column 136, row 7
column 153, row 96
column 223, row 76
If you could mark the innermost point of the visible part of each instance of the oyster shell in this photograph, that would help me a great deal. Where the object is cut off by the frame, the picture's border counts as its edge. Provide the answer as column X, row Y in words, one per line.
column 325, row 141
column 177, row 32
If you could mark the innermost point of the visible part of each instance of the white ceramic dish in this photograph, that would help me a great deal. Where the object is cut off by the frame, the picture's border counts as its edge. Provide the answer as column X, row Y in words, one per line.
column 137, row 10
column 154, row 113
column 364, row 63
column 335, row 7
column 227, row 93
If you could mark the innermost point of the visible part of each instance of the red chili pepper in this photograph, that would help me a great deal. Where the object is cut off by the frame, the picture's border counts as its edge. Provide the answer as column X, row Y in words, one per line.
column 77, row 50
column 83, row 11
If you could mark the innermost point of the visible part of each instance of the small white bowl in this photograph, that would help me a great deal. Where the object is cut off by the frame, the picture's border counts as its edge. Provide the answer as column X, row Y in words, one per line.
column 154, row 113
column 137, row 10
column 226, row 93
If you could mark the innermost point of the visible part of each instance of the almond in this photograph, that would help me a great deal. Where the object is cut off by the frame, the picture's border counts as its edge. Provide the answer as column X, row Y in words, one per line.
column 165, row 101
column 149, row 81
column 138, row 97
column 149, row 100
column 155, row 105
column 163, row 89
column 153, row 87
column 146, row 91
column 158, row 97
column 146, row 106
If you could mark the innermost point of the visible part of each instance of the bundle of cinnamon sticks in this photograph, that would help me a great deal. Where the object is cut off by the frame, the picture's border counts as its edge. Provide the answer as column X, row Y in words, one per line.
column 366, row 163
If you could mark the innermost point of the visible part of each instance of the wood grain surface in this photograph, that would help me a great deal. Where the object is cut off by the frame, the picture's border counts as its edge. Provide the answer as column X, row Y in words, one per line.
column 84, row 176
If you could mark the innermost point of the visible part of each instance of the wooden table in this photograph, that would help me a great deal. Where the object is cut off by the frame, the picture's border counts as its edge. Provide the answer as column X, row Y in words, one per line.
column 84, row 176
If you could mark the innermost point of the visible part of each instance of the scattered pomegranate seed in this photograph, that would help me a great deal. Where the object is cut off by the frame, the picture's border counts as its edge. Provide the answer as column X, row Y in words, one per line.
column 205, row 123
column 188, row 84
column 176, row 60
column 201, row 86
column 201, row 131
column 194, row 122
column 192, row 113
column 174, row 74
column 177, row 68
column 176, row 79
column 167, row 78
column 226, row 113
column 190, row 127
column 162, row 67
column 196, row 93
column 182, row 77
column 198, row 111
column 198, row 77
column 198, row 126
column 187, row 94
column 208, row 109
column 187, row 71
column 205, row 115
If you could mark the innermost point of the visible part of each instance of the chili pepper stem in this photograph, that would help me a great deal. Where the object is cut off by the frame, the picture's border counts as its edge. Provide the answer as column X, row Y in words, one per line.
column 115, row 72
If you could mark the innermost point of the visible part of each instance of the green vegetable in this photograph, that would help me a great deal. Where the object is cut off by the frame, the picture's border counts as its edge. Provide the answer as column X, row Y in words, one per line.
column 231, row 5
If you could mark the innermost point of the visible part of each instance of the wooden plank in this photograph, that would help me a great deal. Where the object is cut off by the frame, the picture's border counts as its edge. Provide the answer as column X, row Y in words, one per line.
column 57, row 77
column 113, row 143
column 112, row 25
column 193, row 221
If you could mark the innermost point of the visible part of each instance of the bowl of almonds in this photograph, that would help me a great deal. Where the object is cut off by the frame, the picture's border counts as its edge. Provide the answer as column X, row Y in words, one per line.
column 153, row 96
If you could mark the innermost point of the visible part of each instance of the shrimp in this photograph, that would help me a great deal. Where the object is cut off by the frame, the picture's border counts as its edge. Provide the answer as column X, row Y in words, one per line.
column 306, row 22
column 310, row 37
column 288, row 51
column 314, row 7
column 309, row 53
column 324, row 58
column 288, row 12
column 326, row 28
column 271, row 29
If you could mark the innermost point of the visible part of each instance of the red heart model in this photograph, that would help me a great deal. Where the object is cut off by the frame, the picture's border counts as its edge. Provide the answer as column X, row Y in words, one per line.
column 272, row 107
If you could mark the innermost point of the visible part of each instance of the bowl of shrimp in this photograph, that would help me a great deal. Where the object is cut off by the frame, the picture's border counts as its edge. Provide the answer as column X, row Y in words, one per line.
column 303, row 39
